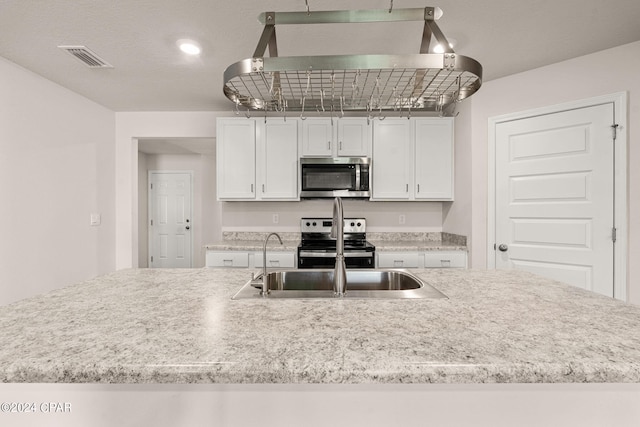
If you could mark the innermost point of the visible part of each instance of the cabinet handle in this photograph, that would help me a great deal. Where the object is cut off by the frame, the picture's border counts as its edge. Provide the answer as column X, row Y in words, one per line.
column 328, row 145
column 252, row 188
column 340, row 145
column 263, row 188
column 418, row 188
column 406, row 188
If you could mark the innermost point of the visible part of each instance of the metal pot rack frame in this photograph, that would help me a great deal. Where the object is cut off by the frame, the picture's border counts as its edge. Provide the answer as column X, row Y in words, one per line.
column 427, row 82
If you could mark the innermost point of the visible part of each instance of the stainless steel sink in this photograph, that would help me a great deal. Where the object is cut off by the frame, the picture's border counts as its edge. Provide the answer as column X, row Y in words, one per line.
column 381, row 284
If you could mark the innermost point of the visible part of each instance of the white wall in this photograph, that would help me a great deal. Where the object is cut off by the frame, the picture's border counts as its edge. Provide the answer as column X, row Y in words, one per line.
column 381, row 216
column 457, row 214
column 610, row 71
column 206, row 209
column 56, row 168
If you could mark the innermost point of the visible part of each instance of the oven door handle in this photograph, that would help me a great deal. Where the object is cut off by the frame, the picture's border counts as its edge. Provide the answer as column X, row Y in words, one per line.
column 350, row 254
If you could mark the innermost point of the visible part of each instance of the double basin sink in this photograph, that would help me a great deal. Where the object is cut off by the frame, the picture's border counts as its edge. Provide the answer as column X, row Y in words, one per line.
column 376, row 284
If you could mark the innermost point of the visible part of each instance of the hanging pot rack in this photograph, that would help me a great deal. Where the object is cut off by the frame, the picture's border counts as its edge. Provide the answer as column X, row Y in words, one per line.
column 427, row 81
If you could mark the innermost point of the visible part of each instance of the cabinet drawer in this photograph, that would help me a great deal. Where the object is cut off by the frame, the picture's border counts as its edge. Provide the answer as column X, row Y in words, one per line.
column 398, row 260
column 227, row 259
column 454, row 259
column 276, row 260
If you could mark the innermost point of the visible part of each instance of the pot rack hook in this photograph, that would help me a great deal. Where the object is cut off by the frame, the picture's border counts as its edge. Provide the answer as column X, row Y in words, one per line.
column 302, row 109
column 306, row 2
column 248, row 113
column 391, row 6
column 237, row 108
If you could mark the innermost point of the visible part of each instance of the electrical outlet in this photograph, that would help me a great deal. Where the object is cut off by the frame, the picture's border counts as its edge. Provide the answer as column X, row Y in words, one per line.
column 276, row 218
column 402, row 219
column 95, row 219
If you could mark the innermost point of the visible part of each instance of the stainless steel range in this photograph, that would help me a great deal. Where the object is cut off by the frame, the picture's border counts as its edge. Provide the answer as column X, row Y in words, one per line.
column 318, row 250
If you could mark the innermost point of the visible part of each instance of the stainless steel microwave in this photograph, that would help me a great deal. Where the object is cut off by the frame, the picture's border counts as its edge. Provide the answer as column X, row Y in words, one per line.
column 335, row 177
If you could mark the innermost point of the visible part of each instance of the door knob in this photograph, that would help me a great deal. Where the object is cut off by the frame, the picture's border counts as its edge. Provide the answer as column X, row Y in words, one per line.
column 503, row 248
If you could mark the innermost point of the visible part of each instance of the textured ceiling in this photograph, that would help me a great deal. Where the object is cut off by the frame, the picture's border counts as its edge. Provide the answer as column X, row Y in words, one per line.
column 150, row 74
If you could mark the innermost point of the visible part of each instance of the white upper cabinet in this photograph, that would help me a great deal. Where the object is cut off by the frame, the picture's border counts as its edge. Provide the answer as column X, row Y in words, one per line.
column 354, row 137
column 257, row 160
column 327, row 137
column 392, row 160
column 434, row 159
column 317, row 137
column 236, row 158
column 277, row 156
column 413, row 159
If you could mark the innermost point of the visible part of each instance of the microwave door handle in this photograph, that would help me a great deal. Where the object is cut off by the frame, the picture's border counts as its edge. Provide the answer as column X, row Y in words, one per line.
column 358, row 187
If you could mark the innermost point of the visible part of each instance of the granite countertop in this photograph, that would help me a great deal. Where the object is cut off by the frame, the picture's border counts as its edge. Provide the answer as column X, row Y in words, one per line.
column 181, row 326
column 417, row 242
column 389, row 242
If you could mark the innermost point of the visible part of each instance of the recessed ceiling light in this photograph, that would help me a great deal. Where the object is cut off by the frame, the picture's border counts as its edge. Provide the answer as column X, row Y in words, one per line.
column 189, row 47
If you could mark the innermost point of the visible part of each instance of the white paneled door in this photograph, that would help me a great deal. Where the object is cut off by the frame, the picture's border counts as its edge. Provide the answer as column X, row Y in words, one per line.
column 555, row 196
column 170, row 219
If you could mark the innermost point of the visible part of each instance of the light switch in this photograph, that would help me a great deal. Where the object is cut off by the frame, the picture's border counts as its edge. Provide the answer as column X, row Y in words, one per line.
column 95, row 219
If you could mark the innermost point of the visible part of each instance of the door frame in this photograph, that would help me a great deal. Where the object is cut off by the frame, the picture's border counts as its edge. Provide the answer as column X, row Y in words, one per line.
column 150, row 210
column 619, row 100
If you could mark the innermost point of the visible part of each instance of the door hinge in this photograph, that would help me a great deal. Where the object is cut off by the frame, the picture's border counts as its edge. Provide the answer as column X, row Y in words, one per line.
column 151, row 185
column 151, row 222
column 614, row 234
column 614, row 127
column 151, row 258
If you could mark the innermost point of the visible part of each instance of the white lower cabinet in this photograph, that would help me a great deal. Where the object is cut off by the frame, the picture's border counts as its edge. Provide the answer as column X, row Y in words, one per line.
column 227, row 259
column 448, row 259
column 428, row 259
column 399, row 260
column 251, row 259
column 275, row 259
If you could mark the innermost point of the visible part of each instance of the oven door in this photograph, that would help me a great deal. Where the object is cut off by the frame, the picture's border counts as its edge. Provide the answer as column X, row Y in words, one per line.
column 322, row 259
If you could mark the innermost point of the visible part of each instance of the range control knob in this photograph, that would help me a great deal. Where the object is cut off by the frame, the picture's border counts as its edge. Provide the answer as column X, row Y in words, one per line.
column 308, row 224
column 353, row 224
column 314, row 223
column 359, row 224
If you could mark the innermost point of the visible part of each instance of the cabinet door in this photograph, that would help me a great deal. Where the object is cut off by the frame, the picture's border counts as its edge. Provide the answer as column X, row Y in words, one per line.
column 398, row 260
column 354, row 137
column 236, row 158
column 227, row 259
column 448, row 259
column 317, row 137
column 392, row 166
column 434, row 159
column 278, row 159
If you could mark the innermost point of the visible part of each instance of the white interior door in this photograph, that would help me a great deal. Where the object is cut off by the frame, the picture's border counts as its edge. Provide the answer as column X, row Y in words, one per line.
column 170, row 219
column 555, row 196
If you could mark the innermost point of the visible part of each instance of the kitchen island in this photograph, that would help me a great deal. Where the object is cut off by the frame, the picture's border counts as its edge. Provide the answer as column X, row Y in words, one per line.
column 498, row 331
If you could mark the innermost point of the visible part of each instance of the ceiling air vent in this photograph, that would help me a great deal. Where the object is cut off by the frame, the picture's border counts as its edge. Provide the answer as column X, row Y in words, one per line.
column 85, row 55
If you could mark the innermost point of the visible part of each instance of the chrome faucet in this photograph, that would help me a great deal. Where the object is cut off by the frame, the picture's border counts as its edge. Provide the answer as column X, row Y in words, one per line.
column 265, row 282
column 337, row 232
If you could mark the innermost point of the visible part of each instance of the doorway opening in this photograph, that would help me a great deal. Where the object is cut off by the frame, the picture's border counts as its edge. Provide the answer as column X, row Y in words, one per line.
column 180, row 154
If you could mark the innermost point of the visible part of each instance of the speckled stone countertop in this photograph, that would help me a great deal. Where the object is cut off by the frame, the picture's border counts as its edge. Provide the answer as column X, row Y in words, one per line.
column 181, row 326
column 417, row 242
column 389, row 241
column 254, row 241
